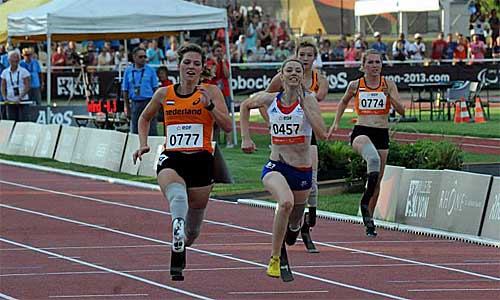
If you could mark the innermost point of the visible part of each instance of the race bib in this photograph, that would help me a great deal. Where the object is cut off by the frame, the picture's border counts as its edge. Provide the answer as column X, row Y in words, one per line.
column 287, row 129
column 372, row 101
column 184, row 136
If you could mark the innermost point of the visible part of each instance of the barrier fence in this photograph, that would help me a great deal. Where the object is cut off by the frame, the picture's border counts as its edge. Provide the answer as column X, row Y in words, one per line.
column 453, row 201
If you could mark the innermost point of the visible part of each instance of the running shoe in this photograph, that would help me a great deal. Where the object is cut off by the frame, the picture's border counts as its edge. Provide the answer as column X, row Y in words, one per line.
column 273, row 270
column 178, row 235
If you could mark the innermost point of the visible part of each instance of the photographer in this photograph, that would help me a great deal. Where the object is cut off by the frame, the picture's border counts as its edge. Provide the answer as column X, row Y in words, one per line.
column 476, row 21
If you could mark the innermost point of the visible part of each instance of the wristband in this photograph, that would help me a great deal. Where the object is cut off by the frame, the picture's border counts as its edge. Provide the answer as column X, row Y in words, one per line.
column 210, row 107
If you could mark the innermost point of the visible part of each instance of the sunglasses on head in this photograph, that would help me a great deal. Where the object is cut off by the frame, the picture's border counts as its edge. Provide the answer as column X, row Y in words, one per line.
column 142, row 56
column 373, row 62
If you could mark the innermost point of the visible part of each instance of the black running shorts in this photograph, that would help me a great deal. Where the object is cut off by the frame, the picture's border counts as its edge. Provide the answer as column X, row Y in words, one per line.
column 195, row 168
column 378, row 136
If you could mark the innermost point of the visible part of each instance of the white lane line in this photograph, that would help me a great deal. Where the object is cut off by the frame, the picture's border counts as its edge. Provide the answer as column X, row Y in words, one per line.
column 258, row 231
column 451, row 290
column 202, row 251
column 437, row 280
column 96, row 296
column 276, row 292
column 87, row 247
column 91, row 265
column 3, row 296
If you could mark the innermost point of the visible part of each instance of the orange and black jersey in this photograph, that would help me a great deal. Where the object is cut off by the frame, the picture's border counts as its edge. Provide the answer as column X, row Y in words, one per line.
column 188, row 125
column 368, row 101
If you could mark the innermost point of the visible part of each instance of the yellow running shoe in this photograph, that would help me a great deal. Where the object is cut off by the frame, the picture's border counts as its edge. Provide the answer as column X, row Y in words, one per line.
column 273, row 269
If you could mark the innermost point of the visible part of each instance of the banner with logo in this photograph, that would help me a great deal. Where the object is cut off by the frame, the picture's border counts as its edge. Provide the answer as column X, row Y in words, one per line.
column 491, row 223
column 250, row 79
column 461, row 202
column 418, row 192
column 60, row 115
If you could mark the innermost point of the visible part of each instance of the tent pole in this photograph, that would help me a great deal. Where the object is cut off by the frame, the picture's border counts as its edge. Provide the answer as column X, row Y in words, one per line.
column 49, row 68
column 228, row 55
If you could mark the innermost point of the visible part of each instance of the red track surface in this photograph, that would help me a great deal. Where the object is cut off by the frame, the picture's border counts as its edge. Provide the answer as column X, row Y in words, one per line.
column 120, row 231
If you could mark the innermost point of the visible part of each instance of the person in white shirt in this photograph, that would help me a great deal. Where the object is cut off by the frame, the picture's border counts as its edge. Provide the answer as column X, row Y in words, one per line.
column 417, row 49
column 15, row 80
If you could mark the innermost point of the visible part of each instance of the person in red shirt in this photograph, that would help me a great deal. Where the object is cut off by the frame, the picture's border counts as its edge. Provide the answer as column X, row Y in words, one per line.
column 162, row 74
column 59, row 58
column 438, row 47
column 460, row 52
column 219, row 66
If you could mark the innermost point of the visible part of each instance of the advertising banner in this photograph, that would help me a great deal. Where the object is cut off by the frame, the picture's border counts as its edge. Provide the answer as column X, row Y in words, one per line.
column 47, row 144
column 491, row 223
column 250, row 79
column 461, row 202
column 66, row 143
column 6, row 127
column 389, row 192
column 24, row 139
column 418, row 195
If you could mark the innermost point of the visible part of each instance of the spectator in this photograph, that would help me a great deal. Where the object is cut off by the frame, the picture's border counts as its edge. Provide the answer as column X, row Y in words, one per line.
column 121, row 58
column 380, row 46
column 400, row 48
column 104, row 60
column 220, row 66
column 399, row 52
column 360, row 44
column 155, row 54
column 252, row 33
column 438, row 46
column 417, row 49
column 172, row 55
column 450, row 47
column 282, row 32
column 269, row 57
column 241, row 46
column 496, row 49
column 59, row 58
column 494, row 25
column 72, row 55
column 476, row 22
column 338, row 50
column 325, row 51
column 162, row 73
column 36, row 79
column 318, row 36
column 250, row 57
column 260, row 52
column 350, row 55
column 460, row 52
column 90, row 58
column 265, row 35
column 477, row 48
column 282, row 52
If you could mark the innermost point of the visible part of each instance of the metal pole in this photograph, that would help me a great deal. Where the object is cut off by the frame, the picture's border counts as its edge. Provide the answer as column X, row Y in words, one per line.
column 228, row 54
column 341, row 16
column 49, row 68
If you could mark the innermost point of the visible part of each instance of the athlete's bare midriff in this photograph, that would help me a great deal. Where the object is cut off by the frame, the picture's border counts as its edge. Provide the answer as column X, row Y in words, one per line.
column 377, row 121
column 296, row 155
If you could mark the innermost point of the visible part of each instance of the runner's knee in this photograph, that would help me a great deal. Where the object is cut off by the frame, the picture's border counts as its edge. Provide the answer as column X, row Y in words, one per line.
column 178, row 200
column 372, row 158
column 296, row 216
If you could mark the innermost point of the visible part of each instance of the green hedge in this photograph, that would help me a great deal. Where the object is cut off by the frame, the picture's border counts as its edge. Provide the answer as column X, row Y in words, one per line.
column 338, row 159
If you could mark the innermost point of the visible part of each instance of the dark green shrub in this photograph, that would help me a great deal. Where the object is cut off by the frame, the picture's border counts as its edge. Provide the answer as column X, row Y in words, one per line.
column 423, row 154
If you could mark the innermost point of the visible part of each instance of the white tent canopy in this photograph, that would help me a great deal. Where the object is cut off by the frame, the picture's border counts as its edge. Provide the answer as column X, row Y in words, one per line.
column 113, row 19
column 97, row 17
column 375, row 7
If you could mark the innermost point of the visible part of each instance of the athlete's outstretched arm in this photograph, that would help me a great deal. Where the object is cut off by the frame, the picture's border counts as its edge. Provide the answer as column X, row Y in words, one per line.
column 275, row 85
column 323, row 88
column 313, row 114
column 349, row 94
column 212, row 94
column 144, row 120
column 259, row 100
column 395, row 99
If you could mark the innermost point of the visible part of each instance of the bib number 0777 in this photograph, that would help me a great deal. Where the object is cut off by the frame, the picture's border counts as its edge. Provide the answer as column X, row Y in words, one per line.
column 184, row 136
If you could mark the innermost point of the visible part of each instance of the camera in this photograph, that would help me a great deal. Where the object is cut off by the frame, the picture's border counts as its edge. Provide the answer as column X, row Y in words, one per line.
column 137, row 90
column 16, row 91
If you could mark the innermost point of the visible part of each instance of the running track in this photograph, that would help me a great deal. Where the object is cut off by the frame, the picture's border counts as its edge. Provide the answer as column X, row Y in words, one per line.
column 63, row 237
